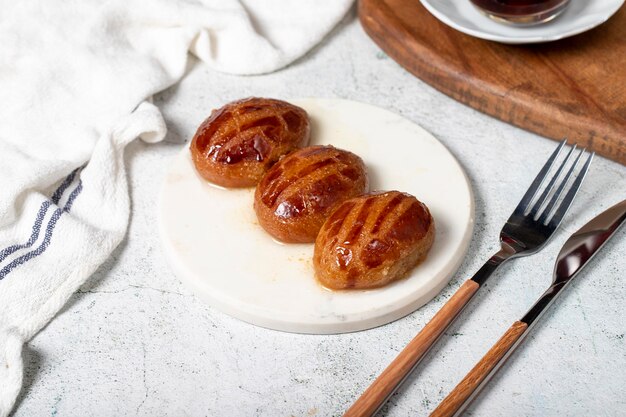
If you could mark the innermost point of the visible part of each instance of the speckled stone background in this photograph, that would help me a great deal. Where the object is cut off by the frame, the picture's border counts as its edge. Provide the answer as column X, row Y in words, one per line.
column 134, row 341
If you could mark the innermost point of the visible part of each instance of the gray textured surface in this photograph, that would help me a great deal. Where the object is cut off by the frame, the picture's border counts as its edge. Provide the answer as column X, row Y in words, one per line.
column 134, row 341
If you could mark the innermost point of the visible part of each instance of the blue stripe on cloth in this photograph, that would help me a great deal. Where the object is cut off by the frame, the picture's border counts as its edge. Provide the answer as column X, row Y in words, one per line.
column 33, row 236
column 47, row 237
column 72, row 197
column 40, row 215
column 66, row 183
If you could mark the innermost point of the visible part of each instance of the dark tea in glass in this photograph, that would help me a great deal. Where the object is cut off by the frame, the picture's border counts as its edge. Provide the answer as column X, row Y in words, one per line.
column 521, row 12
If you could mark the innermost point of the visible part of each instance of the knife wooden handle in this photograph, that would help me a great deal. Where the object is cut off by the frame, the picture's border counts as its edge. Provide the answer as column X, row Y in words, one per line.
column 377, row 393
column 462, row 392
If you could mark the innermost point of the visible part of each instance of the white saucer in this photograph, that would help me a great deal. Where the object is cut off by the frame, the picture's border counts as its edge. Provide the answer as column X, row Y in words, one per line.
column 579, row 16
column 215, row 245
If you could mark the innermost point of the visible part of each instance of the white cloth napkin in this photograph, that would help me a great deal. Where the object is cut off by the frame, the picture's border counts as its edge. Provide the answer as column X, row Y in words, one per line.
column 76, row 79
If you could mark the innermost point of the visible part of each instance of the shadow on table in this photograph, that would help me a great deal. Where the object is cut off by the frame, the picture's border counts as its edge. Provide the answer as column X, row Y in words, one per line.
column 32, row 360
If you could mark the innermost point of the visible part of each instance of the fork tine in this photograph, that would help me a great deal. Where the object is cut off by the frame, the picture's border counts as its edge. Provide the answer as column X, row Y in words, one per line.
column 534, row 211
column 569, row 197
column 534, row 187
column 555, row 197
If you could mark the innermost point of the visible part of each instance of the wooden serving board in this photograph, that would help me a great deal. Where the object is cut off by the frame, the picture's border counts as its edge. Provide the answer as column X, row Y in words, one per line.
column 573, row 88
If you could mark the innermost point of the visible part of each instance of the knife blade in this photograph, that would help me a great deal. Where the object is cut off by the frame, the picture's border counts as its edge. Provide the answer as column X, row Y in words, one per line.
column 577, row 251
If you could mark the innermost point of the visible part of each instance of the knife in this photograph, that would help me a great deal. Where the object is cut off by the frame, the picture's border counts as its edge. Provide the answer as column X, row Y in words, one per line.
column 575, row 254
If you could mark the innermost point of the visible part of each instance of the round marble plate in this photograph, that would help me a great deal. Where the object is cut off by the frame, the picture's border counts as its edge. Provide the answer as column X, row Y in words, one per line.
column 215, row 245
column 579, row 16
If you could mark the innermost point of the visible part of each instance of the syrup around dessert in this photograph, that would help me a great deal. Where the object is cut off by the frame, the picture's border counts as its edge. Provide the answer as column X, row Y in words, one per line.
column 239, row 142
column 313, row 194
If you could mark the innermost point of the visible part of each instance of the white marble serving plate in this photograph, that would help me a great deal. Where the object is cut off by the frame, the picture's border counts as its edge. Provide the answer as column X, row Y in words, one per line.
column 215, row 245
column 578, row 17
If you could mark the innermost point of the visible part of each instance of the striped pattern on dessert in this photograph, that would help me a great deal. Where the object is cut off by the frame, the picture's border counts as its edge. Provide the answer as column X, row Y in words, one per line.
column 311, row 179
column 239, row 142
column 296, row 196
column 249, row 130
column 369, row 232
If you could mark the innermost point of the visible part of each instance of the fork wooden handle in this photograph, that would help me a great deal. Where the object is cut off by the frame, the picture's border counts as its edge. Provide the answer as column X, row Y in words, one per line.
column 385, row 385
column 464, row 390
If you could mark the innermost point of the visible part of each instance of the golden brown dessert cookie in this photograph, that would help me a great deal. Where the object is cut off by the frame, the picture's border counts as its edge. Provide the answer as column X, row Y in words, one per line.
column 239, row 142
column 295, row 197
column 372, row 240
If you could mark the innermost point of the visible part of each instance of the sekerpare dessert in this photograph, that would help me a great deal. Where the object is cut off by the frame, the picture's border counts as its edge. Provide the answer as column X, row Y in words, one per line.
column 239, row 142
column 295, row 197
column 372, row 240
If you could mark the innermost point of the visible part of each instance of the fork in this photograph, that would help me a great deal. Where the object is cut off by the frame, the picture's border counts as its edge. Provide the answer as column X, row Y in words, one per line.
column 527, row 231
